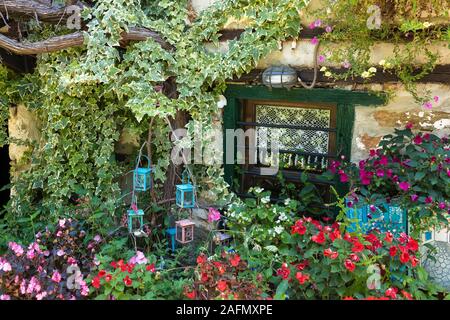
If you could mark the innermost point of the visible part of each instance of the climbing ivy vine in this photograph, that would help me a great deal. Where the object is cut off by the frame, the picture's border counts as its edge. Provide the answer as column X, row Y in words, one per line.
column 88, row 95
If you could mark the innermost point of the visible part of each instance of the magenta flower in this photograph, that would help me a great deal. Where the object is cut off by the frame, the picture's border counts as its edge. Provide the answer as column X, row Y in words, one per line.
column 404, row 186
column 436, row 99
column 321, row 59
column 343, row 177
column 428, row 105
column 213, row 215
column 60, row 253
column 380, row 173
column 372, row 208
column 328, row 29
column 318, row 23
column 442, row 205
column 56, row 277
column 428, row 199
column 418, row 140
column 311, row 26
column 389, row 173
column 314, row 41
column 5, row 297
column 414, row 197
column 409, row 125
column 384, row 161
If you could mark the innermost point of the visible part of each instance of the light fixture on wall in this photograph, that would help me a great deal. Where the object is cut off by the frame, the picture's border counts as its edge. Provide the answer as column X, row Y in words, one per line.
column 279, row 77
column 287, row 77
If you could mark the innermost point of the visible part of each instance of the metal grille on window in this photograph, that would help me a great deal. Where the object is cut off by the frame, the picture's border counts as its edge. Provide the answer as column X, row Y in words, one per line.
column 309, row 145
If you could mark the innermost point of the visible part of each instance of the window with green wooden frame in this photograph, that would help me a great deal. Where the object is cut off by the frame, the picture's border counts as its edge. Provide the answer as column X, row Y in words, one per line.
column 314, row 127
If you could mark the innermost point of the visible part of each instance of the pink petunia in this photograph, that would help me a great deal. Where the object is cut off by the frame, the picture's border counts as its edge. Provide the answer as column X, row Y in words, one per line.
column 213, row 215
column 318, row 23
column 404, row 186
column 314, row 41
column 414, row 197
column 328, row 29
column 56, row 277
column 436, row 99
column 428, row 105
column 321, row 59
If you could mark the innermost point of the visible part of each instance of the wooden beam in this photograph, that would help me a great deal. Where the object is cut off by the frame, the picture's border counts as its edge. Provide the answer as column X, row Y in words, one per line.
column 19, row 64
column 440, row 74
column 75, row 39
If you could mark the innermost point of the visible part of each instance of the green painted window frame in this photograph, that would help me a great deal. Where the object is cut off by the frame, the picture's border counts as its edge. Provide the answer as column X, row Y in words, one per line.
column 345, row 101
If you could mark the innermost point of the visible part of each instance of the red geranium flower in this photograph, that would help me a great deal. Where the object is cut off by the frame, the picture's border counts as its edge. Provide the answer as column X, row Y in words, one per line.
column 357, row 246
column 407, row 295
column 284, row 271
column 219, row 267
column 127, row 281
column 302, row 265
column 404, row 257
column 101, row 273
column 113, row 264
column 348, row 298
column 393, row 251
column 108, row 277
column 222, row 285
column 335, row 234
column 201, row 259
column 150, row 267
column 302, row 277
column 391, row 293
column 235, row 260
column 96, row 282
column 330, row 253
column 389, row 237
column 190, row 294
column 414, row 261
column 204, row 277
column 298, row 228
column 319, row 238
column 349, row 265
column 412, row 244
column 354, row 257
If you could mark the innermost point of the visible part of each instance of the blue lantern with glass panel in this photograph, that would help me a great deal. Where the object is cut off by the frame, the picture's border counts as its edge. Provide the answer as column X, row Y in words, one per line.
column 185, row 196
column 142, row 177
column 135, row 221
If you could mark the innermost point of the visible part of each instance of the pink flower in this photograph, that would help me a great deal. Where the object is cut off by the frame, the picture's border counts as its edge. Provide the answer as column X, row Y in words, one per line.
column 16, row 248
column 56, row 277
column 328, row 29
column 428, row 105
column 436, row 99
column 5, row 266
column 213, row 215
column 429, row 199
column 41, row 295
column 384, row 161
column 442, row 205
column 62, row 223
column 414, row 197
column 30, row 254
column 380, row 173
column 321, row 59
column 97, row 238
column 5, row 297
column 134, row 207
column 409, row 125
column 372, row 208
column 60, row 253
column 404, row 186
column 418, row 139
column 314, row 41
column 346, row 64
column 318, row 23
column 139, row 258
column 311, row 26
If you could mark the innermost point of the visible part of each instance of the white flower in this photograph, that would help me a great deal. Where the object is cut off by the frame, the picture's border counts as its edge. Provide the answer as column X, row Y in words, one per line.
column 372, row 69
column 258, row 190
column 427, row 24
column 265, row 200
column 323, row 69
column 382, row 62
column 256, row 247
column 328, row 74
column 279, row 229
column 365, row 74
column 287, row 201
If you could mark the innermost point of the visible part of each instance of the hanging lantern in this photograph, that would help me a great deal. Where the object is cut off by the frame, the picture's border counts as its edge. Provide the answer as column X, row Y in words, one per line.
column 185, row 196
column 222, row 239
column 184, row 231
column 280, row 77
column 135, row 221
column 142, row 177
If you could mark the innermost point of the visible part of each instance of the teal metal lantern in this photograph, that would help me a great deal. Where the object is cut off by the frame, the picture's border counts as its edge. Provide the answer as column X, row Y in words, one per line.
column 135, row 221
column 185, row 196
column 142, row 177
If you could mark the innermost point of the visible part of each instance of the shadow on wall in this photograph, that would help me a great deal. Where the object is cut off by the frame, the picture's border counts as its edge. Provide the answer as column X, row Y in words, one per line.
column 4, row 176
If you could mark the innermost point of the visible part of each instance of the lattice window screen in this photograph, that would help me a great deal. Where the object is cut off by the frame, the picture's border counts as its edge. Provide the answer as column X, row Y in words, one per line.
column 310, row 141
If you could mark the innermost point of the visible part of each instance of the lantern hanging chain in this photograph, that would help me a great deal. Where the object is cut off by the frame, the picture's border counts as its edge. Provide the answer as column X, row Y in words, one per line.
column 186, row 163
column 316, row 67
column 133, row 195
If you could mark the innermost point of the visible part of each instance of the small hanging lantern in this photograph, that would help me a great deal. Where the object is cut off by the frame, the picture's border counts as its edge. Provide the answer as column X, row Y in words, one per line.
column 280, row 77
column 222, row 239
column 142, row 177
column 184, row 231
column 185, row 196
column 135, row 221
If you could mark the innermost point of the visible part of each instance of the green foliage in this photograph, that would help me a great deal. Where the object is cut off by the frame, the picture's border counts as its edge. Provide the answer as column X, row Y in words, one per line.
column 399, row 20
